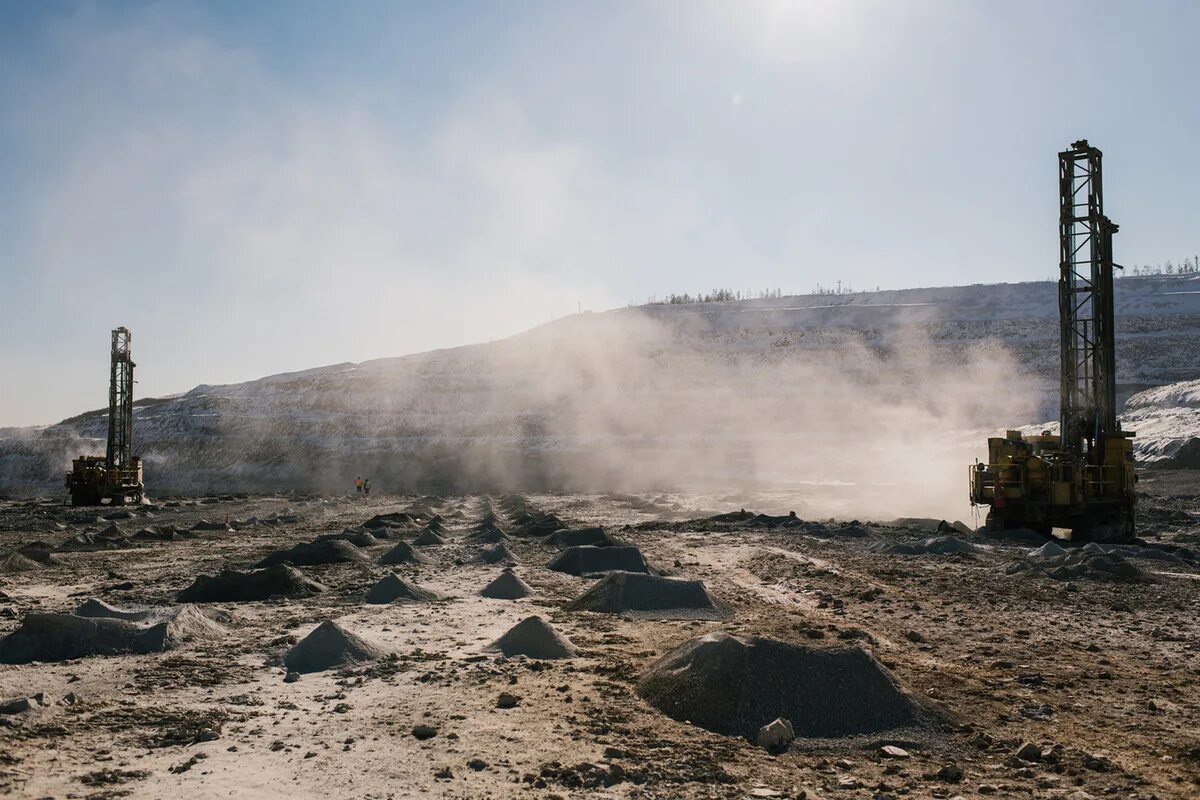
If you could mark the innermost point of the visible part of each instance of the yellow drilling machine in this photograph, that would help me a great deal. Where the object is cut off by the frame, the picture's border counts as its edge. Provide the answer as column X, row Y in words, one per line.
column 1081, row 479
column 116, row 477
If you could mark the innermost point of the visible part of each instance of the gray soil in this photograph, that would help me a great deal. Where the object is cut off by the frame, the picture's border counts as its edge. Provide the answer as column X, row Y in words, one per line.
column 1096, row 673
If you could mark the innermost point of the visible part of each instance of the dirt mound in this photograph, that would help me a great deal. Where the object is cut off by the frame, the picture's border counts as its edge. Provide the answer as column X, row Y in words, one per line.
column 534, row 638
column 403, row 553
column 57, row 637
column 1081, row 563
column 397, row 519
column 429, row 537
column 108, row 539
column 533, row 524
column 500, row 554
column 574, row 537
column 40, row 552
column 649, row 597
column 393, row 587
column 734, row 685
column 936, row 545
column 235, row 586
column 15, row 563
column 155, row 534
column 355, row 536
column 488, row 534
column 591, row 560
column 844, row 530
column 508, row 586
column 330, row 646
column 205, row 525
column 99, row 609
column 322, row 551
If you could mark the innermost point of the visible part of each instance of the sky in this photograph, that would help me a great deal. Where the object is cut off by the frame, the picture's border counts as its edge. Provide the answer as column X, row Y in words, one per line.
column 255, row 188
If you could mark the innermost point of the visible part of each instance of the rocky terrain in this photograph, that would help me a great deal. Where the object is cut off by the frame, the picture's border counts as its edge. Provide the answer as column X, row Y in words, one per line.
column 996, row 667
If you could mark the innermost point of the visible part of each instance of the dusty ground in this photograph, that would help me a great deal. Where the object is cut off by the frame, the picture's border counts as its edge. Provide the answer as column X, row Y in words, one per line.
column 1102, row 675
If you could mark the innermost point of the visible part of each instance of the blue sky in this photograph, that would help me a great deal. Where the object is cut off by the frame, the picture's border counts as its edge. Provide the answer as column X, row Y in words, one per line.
column 261, row 187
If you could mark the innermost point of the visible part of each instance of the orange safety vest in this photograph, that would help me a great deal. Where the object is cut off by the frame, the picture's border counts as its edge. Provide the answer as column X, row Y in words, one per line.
column 358, row 483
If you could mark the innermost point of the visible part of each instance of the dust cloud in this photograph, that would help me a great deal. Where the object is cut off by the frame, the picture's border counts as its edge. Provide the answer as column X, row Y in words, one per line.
column 833, row 421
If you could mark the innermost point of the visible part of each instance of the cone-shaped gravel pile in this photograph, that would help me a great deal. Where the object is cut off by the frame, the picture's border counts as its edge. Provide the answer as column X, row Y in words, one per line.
column 393, row 588
column 403, row 553
column 506, row 587
column 331, row 646
column 534, row 638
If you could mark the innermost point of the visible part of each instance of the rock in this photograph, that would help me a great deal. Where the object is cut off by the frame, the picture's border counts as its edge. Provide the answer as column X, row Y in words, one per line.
column 951, row 773
column 291, row 677
column 20, row 705
column 775, row 736
column 891, row 751
column 477, row 764
column 424, row 732
column 507, row 700
column 1029, row 752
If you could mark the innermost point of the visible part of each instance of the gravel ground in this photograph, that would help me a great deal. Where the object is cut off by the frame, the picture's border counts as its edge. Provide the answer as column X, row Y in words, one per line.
column 1098, row 673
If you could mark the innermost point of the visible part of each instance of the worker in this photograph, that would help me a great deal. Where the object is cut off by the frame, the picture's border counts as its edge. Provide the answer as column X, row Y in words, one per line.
column 358, row 485
column 366, row 488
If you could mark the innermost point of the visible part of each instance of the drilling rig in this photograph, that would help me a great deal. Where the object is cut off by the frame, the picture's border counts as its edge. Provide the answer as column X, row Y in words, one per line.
column 115, row 478
column 1083, row 478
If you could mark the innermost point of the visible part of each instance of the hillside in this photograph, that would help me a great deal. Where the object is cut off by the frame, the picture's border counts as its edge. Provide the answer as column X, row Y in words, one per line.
column 794, row 392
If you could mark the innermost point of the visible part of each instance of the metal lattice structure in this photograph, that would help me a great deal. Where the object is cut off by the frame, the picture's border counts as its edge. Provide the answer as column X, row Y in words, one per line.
column 120, row 402
column 1085, row 297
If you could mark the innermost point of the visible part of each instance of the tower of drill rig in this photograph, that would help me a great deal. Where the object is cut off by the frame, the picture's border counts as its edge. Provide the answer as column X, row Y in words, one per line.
column 1083, row 479
column 117, row 477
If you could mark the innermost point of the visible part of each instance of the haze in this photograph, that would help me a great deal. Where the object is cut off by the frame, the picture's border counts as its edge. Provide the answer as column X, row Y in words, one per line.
column 260, row 188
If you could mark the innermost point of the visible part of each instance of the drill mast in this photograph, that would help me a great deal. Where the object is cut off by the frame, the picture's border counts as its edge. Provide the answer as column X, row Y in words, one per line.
column 1088, row 413
column 120, row 402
